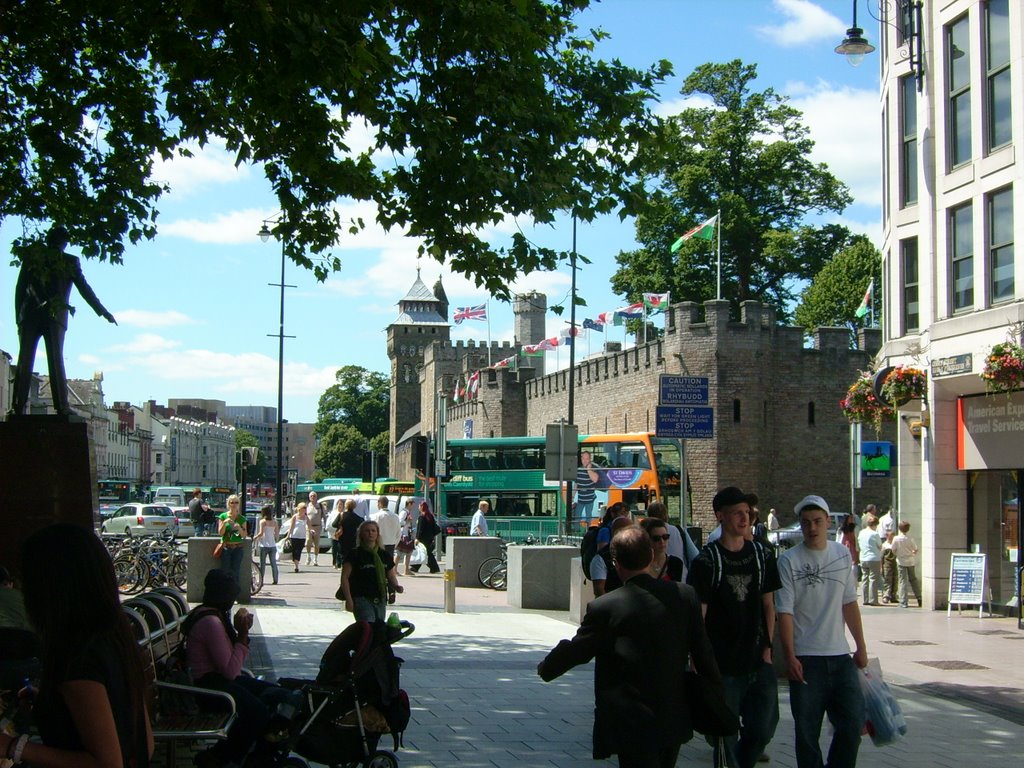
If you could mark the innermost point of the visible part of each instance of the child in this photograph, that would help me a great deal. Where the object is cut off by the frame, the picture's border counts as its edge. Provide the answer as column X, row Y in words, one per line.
column 904, row 549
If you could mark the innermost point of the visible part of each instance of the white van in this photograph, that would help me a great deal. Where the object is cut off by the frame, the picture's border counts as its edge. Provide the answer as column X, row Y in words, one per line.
column 172, row 497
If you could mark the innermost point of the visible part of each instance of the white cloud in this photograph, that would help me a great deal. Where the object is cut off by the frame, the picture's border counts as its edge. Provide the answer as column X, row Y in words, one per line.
column 806, row 22
column 232, row 228
column 846, row 128
column 145, row 318
column 209, row 165
column 146, row 342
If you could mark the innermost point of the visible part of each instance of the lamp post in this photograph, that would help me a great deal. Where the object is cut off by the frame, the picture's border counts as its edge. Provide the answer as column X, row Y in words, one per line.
column 855, row 46
column 264, row 235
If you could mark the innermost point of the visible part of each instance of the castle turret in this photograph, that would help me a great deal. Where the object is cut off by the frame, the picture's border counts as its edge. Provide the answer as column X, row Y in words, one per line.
column 421, row 321
column 530, row 310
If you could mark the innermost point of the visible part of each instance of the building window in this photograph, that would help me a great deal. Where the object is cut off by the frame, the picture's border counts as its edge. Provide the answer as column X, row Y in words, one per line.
column 958, row 57
column 1000, row 244
column 908, row 141
column 736, row 411
column 997, row 38
column 961, row 238
column 911, row 307
column 810, row 413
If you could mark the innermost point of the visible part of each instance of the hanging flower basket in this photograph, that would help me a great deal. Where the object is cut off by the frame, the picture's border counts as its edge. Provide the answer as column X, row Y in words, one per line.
column 860, row 406
column 904, row 384
column 1004, row 368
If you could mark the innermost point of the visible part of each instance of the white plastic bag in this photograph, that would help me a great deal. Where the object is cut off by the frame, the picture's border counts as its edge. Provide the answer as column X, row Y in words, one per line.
column 884, row 718
column 418, row 555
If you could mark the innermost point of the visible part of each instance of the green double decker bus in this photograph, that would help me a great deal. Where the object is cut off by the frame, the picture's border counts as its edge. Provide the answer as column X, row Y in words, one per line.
column 508, row 473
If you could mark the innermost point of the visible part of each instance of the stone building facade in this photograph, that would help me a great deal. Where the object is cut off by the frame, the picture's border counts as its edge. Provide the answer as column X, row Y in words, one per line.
column 778, row 428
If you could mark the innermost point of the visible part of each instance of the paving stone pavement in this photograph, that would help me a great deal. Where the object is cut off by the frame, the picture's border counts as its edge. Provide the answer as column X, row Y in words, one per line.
column 477, row 700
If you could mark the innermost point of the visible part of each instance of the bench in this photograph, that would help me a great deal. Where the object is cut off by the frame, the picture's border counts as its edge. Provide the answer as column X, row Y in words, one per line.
column 177, row 711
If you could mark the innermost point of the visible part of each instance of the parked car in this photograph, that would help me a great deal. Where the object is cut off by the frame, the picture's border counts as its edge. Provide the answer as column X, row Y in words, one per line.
column 185, row 527
column 791, row 535
column 141, row 520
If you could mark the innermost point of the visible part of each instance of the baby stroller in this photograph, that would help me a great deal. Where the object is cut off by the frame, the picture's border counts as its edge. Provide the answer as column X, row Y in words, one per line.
column 355, row 698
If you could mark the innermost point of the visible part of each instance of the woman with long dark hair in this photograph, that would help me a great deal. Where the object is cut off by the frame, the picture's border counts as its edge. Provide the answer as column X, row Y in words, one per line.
column 90, row 708
column 426, row 531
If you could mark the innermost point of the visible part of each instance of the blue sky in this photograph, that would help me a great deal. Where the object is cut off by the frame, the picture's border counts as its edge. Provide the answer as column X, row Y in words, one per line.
column 194, row 306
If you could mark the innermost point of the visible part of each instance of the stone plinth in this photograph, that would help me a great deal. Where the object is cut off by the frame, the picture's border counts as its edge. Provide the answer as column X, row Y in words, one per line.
column 465, row 553
column 539, row 577
column 581, row 591
column 201, row 561
column 46, row 476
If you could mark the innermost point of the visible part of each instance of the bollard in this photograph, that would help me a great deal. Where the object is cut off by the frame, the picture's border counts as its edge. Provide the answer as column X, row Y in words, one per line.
column 449, row 591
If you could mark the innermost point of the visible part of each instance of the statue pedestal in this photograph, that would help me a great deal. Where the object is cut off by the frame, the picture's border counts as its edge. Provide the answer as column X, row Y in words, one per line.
column 47, row 475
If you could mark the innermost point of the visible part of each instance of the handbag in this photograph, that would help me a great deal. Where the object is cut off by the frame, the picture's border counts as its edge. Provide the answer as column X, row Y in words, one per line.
column 406, row 544
column 218, row 550
column 709, row 714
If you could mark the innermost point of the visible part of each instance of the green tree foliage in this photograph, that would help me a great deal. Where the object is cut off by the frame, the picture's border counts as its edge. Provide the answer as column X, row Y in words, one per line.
column 745, row 153
column 481, row 109
column 246, row 439
column 837, row 290
column 360, row 399
column 340, row 452
column 359, row 402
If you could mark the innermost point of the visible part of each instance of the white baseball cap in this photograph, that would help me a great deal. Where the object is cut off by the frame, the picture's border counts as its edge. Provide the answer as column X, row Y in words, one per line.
column 810, row 501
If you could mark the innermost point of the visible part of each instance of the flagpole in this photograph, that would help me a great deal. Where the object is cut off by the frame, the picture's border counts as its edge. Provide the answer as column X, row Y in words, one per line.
column 718, row 229
column 487, row 309
column 871, row 305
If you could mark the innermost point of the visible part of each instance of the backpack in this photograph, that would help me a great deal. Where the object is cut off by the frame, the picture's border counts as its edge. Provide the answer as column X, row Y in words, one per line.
column 588, row 548
column 398, row 712
column 716, row 564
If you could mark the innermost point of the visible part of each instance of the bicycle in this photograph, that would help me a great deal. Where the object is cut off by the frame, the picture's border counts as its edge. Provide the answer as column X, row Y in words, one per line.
column 493, row 572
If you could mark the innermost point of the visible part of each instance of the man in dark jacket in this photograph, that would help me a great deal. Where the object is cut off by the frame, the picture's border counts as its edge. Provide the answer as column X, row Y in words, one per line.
column 642, row 635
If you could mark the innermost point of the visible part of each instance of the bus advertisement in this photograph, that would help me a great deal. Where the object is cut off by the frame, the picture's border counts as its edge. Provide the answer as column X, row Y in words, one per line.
column 508, row 473
column 385, row 486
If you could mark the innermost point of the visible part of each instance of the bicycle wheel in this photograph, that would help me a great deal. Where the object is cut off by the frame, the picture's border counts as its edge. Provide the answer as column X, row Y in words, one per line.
column 177, row 573
column 131, row 574
column 487, row 567
column 257, row 580
column 499, row 578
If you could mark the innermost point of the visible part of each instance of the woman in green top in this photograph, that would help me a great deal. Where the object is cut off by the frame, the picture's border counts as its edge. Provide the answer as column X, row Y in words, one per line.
column 232, row 530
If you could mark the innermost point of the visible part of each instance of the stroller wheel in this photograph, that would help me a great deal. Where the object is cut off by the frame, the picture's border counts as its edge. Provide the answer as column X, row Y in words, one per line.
column 381, row 759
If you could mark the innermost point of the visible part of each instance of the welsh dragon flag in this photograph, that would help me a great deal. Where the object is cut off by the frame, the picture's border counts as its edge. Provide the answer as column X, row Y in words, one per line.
column 865, row 304
column 656, row 302
column 705, row 231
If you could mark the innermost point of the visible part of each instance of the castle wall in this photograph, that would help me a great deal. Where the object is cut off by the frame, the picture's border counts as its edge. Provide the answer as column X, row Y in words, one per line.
column 778, row 429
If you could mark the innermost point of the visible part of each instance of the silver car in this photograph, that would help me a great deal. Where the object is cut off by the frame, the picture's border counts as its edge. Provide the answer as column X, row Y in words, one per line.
column 141, row 520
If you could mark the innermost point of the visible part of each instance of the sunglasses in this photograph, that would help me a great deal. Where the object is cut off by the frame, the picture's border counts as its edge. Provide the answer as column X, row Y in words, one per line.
column 663, row 537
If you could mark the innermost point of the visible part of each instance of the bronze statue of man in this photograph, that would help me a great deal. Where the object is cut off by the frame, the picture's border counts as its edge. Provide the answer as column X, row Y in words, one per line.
column 41, row 309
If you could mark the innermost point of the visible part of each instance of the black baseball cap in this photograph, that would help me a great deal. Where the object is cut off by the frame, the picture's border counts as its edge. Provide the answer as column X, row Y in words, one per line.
column 732, row 495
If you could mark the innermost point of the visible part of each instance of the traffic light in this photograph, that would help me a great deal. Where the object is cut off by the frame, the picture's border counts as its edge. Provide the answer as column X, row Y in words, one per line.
column 284, row 489
column 367, row 467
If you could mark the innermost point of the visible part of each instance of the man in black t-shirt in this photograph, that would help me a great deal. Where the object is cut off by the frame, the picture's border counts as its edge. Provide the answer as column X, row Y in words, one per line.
column 734, row 578
column 197, row 513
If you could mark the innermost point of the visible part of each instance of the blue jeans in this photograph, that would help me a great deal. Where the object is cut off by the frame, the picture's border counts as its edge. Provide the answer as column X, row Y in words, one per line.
column 831, row 687
column 371, row 610
column 585, row 509
column 265, row 554
column 231, row 561
column 755, row 698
